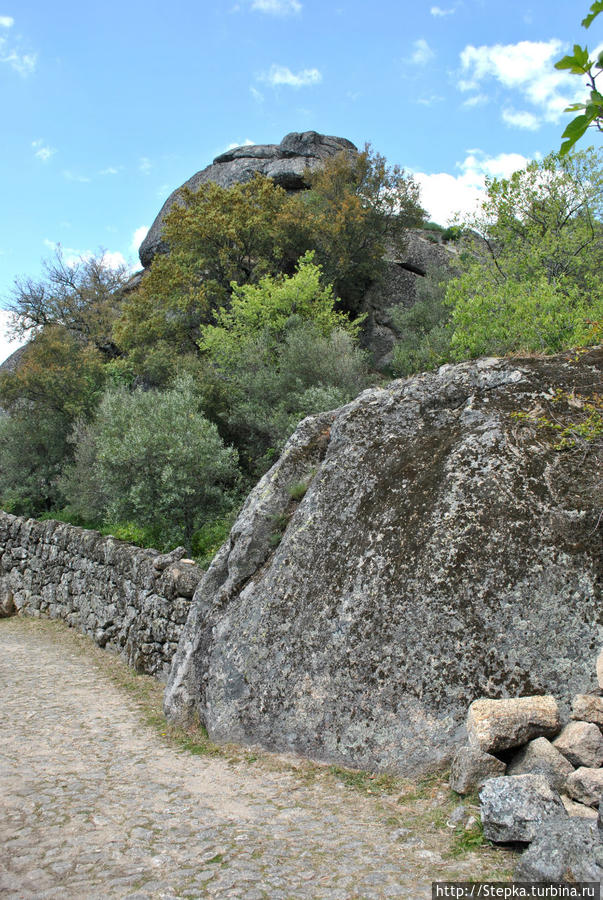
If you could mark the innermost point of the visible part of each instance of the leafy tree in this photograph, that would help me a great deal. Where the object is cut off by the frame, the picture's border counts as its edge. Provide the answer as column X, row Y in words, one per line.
column 219, row 237
column 532, row 273
column 57, row 381
column 580, row 63
column 357, row 207
column 151, row 458
column 282, row 351
column 81, row 296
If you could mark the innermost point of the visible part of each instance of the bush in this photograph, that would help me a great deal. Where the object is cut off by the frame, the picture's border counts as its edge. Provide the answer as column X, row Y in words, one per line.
column 152, row 458
column 424, row 328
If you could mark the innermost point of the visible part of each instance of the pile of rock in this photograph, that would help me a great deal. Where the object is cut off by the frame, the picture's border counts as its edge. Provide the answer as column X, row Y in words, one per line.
column 541, row 783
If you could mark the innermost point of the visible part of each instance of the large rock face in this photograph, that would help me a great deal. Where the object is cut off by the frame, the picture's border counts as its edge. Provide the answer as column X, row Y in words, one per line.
column 443, row 551
column 286, row 163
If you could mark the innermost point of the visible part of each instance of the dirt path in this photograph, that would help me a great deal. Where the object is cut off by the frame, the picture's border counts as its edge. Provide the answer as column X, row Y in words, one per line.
column 94, row 804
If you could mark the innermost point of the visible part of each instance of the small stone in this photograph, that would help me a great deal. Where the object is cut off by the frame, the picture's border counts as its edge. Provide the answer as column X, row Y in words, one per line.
column 585, row 785
column 588, row 708
column 539, row 757
column 581, row 743
column 566, row 851
column 500, row 724
column 600, row 669
column 578, row 810
column 164, row 560
column 513, row 808
column 458, row 816
column 7, row 606
column 471, row 768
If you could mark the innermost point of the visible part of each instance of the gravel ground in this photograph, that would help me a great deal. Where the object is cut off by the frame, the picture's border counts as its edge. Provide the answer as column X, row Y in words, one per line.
column 95, row 803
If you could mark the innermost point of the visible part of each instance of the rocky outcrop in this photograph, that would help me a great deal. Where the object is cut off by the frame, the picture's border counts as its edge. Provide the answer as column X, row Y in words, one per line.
column 106, row 588
column 443, row 550
column 286, row 163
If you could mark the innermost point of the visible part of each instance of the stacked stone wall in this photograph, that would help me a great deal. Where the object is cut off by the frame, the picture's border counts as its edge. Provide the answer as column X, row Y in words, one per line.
column 128, row 599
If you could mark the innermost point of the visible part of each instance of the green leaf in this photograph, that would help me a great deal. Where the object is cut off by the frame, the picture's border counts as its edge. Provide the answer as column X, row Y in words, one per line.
column 595, row 9
column 578, row 64
column 574, row 107
column 599, row 63
column 574, row 132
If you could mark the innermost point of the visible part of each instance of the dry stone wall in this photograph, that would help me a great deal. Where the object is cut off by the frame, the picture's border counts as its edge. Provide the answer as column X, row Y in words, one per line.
column 130, row 600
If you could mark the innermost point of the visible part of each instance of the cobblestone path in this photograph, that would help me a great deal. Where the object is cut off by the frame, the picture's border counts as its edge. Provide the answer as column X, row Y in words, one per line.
column 94, row 805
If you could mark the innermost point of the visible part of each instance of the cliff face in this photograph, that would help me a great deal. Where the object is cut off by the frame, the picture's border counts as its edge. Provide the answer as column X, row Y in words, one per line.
column 444, row 550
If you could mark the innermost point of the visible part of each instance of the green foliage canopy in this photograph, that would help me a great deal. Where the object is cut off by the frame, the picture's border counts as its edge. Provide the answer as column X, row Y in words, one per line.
column 531, row 276
column 151, row 457
column 220, row 237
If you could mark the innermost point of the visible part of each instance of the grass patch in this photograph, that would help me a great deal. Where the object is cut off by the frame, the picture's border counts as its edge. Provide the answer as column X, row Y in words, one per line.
column 366, row 782
column 467, row 840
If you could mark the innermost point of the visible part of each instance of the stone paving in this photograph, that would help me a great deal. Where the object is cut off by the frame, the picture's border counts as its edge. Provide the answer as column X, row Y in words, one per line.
column 93, row 804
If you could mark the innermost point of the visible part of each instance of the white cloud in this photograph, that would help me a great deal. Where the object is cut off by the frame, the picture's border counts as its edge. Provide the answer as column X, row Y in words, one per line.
column 445, row 196
column 145, row 165
column 73, row 176
column 138, row 237
column 476, row 100
column 110, row 170
column 429, row 101
column 7, row 345
column 246, row 143
column 282, row 75
column 257, row 95
column 422, row 52
column 42, row 151
column 520, row 119
column 277, row 7
column 23, row 63
column 438, row 11
column 528, row 68
column 115, row 259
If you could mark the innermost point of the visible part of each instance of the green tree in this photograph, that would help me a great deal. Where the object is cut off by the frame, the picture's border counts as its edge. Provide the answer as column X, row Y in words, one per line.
column 279, row 353
column 57, row 381
column 580, row 63
column 152, row 458
column 531, row 278
column 81, row 296
column 218, row 237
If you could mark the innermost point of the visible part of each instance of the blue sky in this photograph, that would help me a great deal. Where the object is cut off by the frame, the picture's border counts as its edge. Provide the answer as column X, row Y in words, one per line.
column 106, row 108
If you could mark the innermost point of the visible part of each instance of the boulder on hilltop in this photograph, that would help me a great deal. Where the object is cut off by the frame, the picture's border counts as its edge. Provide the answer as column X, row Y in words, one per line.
column 286, row 163
column 444, row 550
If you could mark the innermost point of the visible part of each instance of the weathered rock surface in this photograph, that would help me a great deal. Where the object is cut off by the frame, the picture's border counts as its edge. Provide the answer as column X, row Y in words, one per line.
column 500, row 724
column 588, row 708
column 471, row 768
column 585, row 785
column 7, row 604
column 514, row 808
column 106, row 588
column 563, row 851
column 442, row 552
column 398, row 287
column 539, row 757
column 581, row 743
column 286, row 163
column 600, row 669
column 578, row 810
